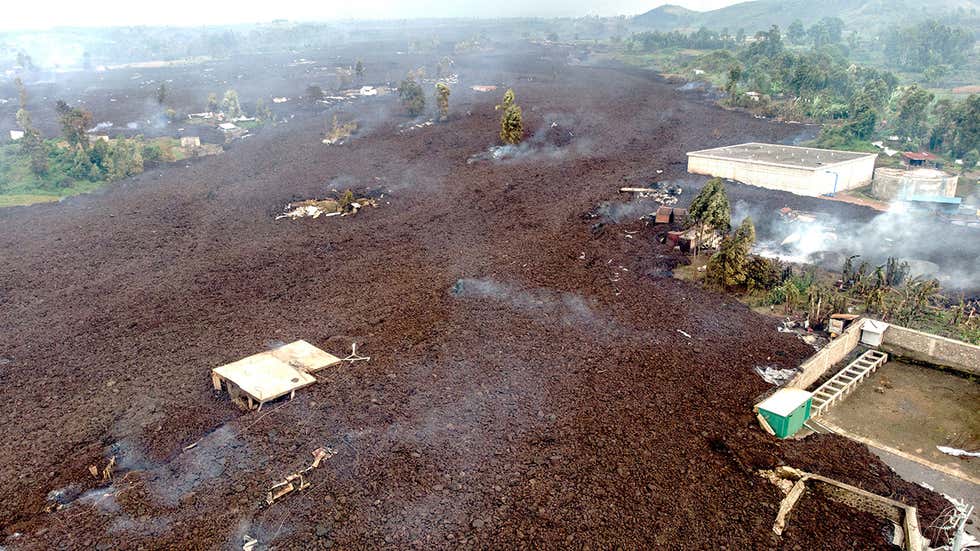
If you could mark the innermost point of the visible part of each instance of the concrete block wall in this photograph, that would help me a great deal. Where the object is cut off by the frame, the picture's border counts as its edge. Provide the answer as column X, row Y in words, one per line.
column 801, row 181
column 933, row 349
column 812, row 369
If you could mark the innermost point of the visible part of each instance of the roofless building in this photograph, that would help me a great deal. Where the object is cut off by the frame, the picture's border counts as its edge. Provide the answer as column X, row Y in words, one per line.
column 799, row 170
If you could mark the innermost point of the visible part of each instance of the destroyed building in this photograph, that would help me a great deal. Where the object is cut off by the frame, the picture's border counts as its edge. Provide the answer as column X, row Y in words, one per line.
column 800, row 170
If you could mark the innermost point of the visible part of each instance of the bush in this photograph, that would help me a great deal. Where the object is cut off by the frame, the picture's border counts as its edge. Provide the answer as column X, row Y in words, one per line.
column 152, row 153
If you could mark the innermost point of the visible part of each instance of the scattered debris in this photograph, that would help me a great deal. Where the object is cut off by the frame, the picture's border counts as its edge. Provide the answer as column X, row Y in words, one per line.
column 664, row 193
column 311, row 209
column 354, row 356
column 955, row 452
column 249, row 543
column 774, row 375
column 414, row 126
column 297, row 480
column 687, row 240
column 106, row 473
column 483, row 88
column 683, row 333
column 345, row 205
column 280, row 100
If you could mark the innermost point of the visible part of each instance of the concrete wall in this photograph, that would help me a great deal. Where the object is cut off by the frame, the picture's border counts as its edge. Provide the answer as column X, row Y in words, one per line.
column 932, row 349
column 891, row 183
column 828, row 356
column 801, row 181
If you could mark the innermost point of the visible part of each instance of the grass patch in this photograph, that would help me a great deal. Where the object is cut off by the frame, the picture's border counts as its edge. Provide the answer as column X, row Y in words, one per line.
column 17, row 200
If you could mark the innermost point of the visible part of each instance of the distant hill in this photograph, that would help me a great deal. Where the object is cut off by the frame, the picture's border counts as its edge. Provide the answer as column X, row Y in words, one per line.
column 758, row 15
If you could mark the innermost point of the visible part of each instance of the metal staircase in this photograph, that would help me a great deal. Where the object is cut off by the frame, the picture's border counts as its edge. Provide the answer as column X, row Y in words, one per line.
column 845, row 380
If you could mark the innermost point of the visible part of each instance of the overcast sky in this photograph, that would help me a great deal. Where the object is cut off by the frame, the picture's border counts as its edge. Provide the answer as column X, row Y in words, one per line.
column 19, row 14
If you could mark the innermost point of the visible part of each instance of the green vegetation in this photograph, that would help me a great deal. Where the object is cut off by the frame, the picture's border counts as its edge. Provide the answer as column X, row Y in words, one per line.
column 511, row 119
column 230, row 105
column 808, row 74
column 442, row 100
column 729, row 267
column 73, row 170
column 412, row 97
column 711, row 210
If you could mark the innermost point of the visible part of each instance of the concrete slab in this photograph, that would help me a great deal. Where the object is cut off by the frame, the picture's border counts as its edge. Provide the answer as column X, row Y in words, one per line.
column 913, row 409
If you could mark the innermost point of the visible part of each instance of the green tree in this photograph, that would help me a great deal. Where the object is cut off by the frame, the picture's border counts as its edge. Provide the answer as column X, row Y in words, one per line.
column 262, row 111
column 230, row 105
column 21, row 92
column 511, row 119
column 728, row 267
column 731, row 86
column 762, row 274
column 99, row 153
column 74, row 123
column 828, row 30
column 916, row 296
column 125, row 159
column 212, row 103
column 970, row 160
column 359, row 69
column 796, row 32
column 863, row 116
column 910, row 108
column 710, row 210
column 313, row 93
column 412, row 97
column 442, row 100
column 162, row 93
column 81, row 167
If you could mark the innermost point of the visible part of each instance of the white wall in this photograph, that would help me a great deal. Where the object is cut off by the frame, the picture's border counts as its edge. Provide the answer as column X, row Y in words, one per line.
column 800, row 181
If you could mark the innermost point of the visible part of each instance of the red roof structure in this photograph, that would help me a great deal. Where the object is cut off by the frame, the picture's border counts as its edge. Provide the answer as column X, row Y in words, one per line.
column 919, row 156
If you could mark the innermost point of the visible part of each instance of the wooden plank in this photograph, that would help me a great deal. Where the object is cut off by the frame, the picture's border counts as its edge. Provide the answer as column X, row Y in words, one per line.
column 787, row 504
column 263, row 377
column 304, row 356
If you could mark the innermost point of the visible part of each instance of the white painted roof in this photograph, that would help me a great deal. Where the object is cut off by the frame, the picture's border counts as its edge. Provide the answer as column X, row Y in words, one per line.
column 784, row 401
column 874, row 326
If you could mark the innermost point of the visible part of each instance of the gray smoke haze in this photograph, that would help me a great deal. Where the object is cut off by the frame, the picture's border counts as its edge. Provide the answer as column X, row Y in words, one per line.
column 932, row 247
column 555, row 140
column 563, row 307
column 50, row 13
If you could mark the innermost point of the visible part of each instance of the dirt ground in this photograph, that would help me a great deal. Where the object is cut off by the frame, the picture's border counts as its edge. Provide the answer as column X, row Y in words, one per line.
column 923, row 407
column 529, row 385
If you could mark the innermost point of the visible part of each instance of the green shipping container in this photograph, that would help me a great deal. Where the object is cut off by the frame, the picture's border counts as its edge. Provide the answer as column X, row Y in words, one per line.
column 786, row 410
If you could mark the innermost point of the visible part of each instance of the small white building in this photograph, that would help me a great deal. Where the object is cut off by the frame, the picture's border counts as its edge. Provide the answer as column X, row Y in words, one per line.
column 16, row 134
column 800, row 170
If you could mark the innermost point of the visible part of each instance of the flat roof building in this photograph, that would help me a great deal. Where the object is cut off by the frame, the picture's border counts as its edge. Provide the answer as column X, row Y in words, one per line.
column 801, row 170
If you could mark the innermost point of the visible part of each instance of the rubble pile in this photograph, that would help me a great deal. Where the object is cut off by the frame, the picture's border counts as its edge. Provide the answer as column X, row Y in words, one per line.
column 346, row 205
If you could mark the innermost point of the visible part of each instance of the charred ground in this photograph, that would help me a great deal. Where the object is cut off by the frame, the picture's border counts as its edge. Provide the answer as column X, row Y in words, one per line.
column 529, row 386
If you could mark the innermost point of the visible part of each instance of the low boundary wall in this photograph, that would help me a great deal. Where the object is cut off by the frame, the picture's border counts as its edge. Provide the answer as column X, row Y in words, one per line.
column 932, row 349
column 813, row 368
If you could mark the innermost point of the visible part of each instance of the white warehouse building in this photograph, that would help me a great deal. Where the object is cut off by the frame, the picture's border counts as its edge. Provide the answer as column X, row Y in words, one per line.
column 799, row 170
